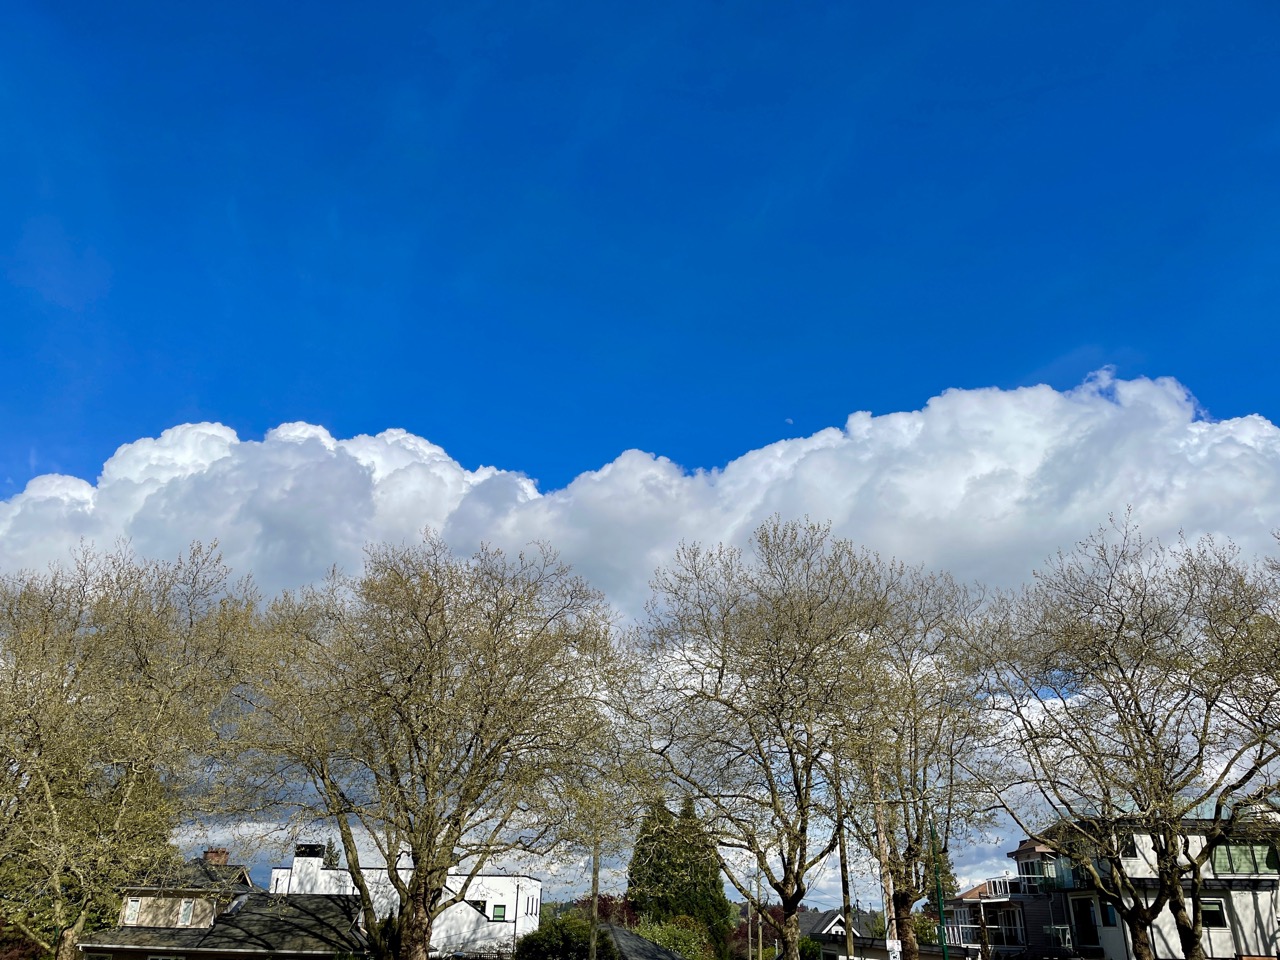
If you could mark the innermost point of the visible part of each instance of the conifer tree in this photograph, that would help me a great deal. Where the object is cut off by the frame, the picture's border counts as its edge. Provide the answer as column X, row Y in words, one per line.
column 649, row 876
column 700, row 890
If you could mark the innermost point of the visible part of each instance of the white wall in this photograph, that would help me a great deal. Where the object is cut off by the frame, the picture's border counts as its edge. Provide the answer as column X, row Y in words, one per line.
column 460, row 929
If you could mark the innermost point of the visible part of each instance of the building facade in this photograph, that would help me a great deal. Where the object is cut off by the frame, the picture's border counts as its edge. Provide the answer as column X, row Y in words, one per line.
column 1048, row 908
column 498, row 909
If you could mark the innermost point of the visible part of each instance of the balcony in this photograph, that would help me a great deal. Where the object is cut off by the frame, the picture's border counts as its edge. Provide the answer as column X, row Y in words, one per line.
column 998, row 935
column 1001, row 888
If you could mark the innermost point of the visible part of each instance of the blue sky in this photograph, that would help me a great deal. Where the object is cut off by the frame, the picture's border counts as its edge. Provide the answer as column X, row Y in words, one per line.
column 960, row 278
column 541, row 234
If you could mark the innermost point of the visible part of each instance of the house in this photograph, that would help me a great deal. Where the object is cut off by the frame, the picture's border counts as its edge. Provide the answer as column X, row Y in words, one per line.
column 497, row 910
column 209, row 909
column 1048, row 907
column 826, row 927
column 309, row 927
column 190, row 895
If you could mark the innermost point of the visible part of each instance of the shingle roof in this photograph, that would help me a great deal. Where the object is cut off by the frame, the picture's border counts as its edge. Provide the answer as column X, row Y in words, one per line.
column 632, row 946
column 200, row 874
column 267, row 923
column 814, row 922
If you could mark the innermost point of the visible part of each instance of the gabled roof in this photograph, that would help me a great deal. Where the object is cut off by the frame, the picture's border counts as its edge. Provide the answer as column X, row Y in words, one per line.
column 201, row 875
column 977, row 892
column 816, row 923
column 301, row 923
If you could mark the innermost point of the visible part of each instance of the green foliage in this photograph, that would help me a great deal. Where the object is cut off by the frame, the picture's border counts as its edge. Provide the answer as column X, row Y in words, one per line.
column 873, row 924
column 112, row 671
column 565, row 937
column 810, row 949
column 674, row 873
column 649, row 876
column 332, row 856
column 925, row 926
column 947, row 872
column 683, row 934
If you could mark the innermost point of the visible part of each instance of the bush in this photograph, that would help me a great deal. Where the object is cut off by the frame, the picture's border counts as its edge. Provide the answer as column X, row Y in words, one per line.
column 683, row 934
column 565, row 938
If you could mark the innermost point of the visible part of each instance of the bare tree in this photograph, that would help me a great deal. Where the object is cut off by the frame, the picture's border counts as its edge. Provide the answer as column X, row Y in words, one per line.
column 112, row 671
column 433, row 706
column 915, row 723
column 746, row 660
column 1128, row 678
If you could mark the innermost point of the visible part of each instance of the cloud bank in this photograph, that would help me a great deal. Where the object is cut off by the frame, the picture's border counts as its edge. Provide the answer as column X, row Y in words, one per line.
column 986, row 483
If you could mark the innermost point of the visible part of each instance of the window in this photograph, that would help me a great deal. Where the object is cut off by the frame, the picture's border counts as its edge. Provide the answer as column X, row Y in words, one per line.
column 478, row 904
column 499, row 911
column 131, row 908
column 1213, row 915
column 1108, row 915
column 184, row 914
column 1244, row 857
column 1128, row 846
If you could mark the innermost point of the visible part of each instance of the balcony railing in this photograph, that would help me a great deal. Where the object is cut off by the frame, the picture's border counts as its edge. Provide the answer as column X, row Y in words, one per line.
column 970, row 935
column 1006, row 886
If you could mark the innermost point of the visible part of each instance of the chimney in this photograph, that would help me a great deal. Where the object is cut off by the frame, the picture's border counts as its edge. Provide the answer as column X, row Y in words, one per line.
column 217, row 856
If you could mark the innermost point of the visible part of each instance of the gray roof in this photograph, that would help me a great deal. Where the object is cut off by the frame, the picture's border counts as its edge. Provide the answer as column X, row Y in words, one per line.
column 632, row 946
column 265, row 923
column 200, row 874
column 815, row 922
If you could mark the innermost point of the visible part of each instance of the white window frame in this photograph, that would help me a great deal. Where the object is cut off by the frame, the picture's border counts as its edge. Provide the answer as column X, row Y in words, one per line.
column 132, row 907
column 185, row 912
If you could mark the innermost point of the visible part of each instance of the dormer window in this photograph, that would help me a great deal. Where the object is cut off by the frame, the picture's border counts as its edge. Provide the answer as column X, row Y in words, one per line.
column 184, row 913
column 131, row 908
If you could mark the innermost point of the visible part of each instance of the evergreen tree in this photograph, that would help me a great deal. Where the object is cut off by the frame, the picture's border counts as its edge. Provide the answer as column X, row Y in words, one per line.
column 649, row 876
column 674, row 873
column 699, row 888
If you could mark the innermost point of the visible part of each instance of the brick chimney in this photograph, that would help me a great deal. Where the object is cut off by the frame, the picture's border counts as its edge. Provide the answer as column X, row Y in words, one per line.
column 217, row 856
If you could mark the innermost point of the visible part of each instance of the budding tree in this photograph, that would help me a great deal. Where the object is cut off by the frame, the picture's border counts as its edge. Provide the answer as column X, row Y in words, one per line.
column 432, row 706
column 1136, row 683
column 112, row 671
column 746, row 657
column 915, row 723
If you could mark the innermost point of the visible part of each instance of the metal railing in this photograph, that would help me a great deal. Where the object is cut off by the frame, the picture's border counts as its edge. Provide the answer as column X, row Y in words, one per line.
column 998, row 935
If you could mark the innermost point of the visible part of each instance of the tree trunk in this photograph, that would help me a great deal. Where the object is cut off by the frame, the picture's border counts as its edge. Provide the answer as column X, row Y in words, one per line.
column 902, row 904
column 65, row 949
column 415, row 927
column 1188, row 925
column 791, row 936
column 1140, row 934
column 842, row 849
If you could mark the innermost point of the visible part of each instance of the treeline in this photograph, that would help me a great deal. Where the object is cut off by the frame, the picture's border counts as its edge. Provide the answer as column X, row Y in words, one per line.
column 800, row 699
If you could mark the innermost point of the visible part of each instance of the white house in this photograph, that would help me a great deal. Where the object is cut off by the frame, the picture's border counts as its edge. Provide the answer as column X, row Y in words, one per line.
column 1047, row 904
column 498, row 910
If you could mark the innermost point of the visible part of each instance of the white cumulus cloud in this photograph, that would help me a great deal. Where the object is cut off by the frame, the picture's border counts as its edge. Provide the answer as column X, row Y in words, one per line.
column 986, row 483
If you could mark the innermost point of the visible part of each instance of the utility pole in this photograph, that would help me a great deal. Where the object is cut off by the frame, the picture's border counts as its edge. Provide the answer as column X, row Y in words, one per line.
column 937, row 882
column 844, row 858
column 595, row 896
column 760, row 924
